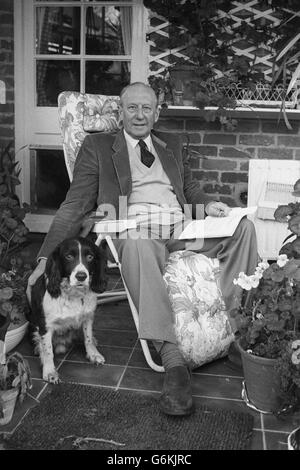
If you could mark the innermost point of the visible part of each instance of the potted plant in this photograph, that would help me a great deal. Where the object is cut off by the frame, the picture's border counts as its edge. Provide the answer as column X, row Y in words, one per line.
column 14, row 271
column 15, row 380
column 269, row 334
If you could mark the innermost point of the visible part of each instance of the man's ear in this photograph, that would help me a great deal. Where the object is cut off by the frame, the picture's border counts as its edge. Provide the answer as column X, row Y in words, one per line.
column 157, row 111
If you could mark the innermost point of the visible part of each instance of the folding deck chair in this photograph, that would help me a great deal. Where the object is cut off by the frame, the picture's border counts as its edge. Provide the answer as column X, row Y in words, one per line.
column 82, row 113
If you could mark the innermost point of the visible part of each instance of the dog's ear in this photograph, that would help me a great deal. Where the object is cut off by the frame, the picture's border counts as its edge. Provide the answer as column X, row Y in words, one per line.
column 53, row 272
column 99, row 276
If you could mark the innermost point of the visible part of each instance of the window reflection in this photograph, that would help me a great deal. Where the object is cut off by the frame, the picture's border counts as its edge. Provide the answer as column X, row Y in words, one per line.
column 55, row 76
column 108, row 30
column 58, row 30
column 107, row 77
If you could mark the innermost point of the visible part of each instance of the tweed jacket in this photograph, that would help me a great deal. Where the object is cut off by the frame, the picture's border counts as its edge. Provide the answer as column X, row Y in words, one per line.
column 102, row 175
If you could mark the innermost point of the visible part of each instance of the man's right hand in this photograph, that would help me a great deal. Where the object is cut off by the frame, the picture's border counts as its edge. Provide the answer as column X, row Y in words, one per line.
column 39, row 270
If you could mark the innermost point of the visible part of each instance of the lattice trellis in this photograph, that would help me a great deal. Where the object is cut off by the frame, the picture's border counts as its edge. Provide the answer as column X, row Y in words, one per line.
column 248, row 11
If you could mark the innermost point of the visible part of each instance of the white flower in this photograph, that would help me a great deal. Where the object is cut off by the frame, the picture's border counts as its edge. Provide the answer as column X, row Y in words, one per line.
column 282, row 260
column 247, row 282
column 263, row 265
column 244, row 281
column 254, row 279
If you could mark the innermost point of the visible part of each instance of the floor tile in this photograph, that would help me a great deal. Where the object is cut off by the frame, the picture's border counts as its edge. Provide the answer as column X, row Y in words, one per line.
column 220, row 367
column 257, row 441
column 138, row 358
column 217, row 387
column 122, row 338
column 276, row 441
column 114, row 316
column 142, row 379
column 112, row 355
column 90, row 374
column 284, row 423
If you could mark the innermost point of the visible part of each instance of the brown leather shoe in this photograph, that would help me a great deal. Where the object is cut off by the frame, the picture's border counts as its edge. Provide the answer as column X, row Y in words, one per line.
column 176, row 398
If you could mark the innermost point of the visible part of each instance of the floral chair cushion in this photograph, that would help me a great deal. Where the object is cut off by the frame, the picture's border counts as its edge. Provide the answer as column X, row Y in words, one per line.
column 202, row 326
column 81, row 113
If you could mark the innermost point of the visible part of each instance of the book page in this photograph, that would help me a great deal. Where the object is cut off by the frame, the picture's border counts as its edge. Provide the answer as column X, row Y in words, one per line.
column 214, row 227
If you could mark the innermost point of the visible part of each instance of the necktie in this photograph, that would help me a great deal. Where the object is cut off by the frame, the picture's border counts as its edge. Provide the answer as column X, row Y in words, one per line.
column 147, row 158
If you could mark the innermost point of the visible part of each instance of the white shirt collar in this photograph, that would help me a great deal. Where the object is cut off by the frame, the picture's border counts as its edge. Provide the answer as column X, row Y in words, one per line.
column 134, row 142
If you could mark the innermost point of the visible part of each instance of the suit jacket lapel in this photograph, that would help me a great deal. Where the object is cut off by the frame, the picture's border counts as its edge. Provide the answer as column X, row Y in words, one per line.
column 169, row 163
column 121, row 163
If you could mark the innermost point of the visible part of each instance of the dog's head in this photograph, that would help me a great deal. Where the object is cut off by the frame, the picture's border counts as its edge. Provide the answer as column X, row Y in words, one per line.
column 80, row 262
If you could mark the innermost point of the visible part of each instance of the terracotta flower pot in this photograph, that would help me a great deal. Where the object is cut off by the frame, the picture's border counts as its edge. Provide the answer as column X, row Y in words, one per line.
column 262, row 382
column 8, row 400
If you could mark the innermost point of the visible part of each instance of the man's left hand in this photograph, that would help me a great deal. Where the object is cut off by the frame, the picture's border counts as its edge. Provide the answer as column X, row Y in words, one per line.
column 217, row 209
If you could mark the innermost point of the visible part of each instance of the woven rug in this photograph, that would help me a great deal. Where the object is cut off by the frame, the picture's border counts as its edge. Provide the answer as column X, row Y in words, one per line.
column 123, row 420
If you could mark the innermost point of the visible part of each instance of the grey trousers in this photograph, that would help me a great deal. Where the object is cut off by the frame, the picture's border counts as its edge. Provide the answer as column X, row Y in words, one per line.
column 143, row 260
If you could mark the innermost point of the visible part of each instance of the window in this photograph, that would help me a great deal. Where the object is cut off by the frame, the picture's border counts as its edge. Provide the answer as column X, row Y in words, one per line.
column 81, row 46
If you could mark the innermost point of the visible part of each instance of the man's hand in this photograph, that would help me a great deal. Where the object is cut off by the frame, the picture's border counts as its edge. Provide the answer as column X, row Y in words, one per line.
column 39, row 270
column 217, row 209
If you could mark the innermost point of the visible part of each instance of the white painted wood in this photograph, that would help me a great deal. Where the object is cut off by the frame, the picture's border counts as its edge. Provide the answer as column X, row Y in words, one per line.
column 38, row 126
column 270, row 234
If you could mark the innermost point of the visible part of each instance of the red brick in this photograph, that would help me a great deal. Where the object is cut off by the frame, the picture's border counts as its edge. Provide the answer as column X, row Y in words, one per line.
column 279, row 153
column 228, row 177
column 279, row 127
column 247, row 125
column 195, row 138
column 169, row 124
column 230, row 201
column 217, row 188
column 6, row 18
column 244, row 166
column 195, row 163
column 6, row 118
column 257, row 139
column 218, row 164
column 233, row 152
column 7, row 30
column 6, row 5
column 202, row 124
column 289, row 140
column 225, row 139
column 205, row 150
column 206, row 175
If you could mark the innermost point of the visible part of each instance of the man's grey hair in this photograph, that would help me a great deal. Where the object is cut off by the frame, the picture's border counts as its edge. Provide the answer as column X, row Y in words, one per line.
column 131, row 85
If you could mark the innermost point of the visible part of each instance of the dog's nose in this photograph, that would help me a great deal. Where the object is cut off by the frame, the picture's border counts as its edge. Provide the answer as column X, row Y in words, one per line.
column 81, row 276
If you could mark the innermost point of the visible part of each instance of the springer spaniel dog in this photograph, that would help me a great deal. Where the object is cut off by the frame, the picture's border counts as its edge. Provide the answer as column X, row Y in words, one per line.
column 64, row 300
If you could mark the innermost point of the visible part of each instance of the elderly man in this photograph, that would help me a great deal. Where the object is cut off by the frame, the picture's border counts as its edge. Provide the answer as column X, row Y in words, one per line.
column 148, row 169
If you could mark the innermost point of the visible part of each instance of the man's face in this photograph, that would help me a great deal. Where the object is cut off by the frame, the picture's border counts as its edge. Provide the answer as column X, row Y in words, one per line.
column 139, row 111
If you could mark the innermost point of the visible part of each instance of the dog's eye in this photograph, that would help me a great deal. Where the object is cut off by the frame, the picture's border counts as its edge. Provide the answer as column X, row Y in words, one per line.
column 89, row 258
column 69, row 257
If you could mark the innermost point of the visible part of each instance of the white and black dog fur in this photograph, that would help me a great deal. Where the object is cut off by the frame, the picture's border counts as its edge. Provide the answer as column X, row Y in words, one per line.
column 64, row 300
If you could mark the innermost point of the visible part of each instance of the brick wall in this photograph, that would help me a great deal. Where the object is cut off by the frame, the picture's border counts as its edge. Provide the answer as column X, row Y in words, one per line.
column 7, row 71
column 220, row 158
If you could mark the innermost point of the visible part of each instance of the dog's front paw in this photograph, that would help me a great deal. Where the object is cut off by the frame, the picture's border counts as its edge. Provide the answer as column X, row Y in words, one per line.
column 95, row 357
column 51, row 376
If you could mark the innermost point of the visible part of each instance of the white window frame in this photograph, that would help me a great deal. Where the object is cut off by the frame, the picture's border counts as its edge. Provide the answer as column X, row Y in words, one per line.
column 38, row 126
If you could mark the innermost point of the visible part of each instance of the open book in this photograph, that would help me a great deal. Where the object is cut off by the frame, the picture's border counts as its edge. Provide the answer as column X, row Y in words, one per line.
column 214, row 227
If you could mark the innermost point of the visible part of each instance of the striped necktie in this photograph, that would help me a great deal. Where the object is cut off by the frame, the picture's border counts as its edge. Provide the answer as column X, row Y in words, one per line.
column 147, row 158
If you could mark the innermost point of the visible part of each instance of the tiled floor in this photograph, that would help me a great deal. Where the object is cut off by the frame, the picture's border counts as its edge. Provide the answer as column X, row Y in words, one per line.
column 217, row 384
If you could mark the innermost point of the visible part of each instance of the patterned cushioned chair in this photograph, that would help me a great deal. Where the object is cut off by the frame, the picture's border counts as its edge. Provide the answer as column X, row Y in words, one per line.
column 201, row 323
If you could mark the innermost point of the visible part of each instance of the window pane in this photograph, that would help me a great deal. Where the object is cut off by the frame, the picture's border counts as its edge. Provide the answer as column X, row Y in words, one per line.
column 107, row 77
column 51, row 179
column 54, row 76
column 108, row 30
column 58, row 30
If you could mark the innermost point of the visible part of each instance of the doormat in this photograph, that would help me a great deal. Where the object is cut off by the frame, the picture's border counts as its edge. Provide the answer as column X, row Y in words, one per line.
column 73, row 416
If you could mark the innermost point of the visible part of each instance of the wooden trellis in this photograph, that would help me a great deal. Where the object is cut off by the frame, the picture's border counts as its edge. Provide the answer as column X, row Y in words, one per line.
column 248, row 11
